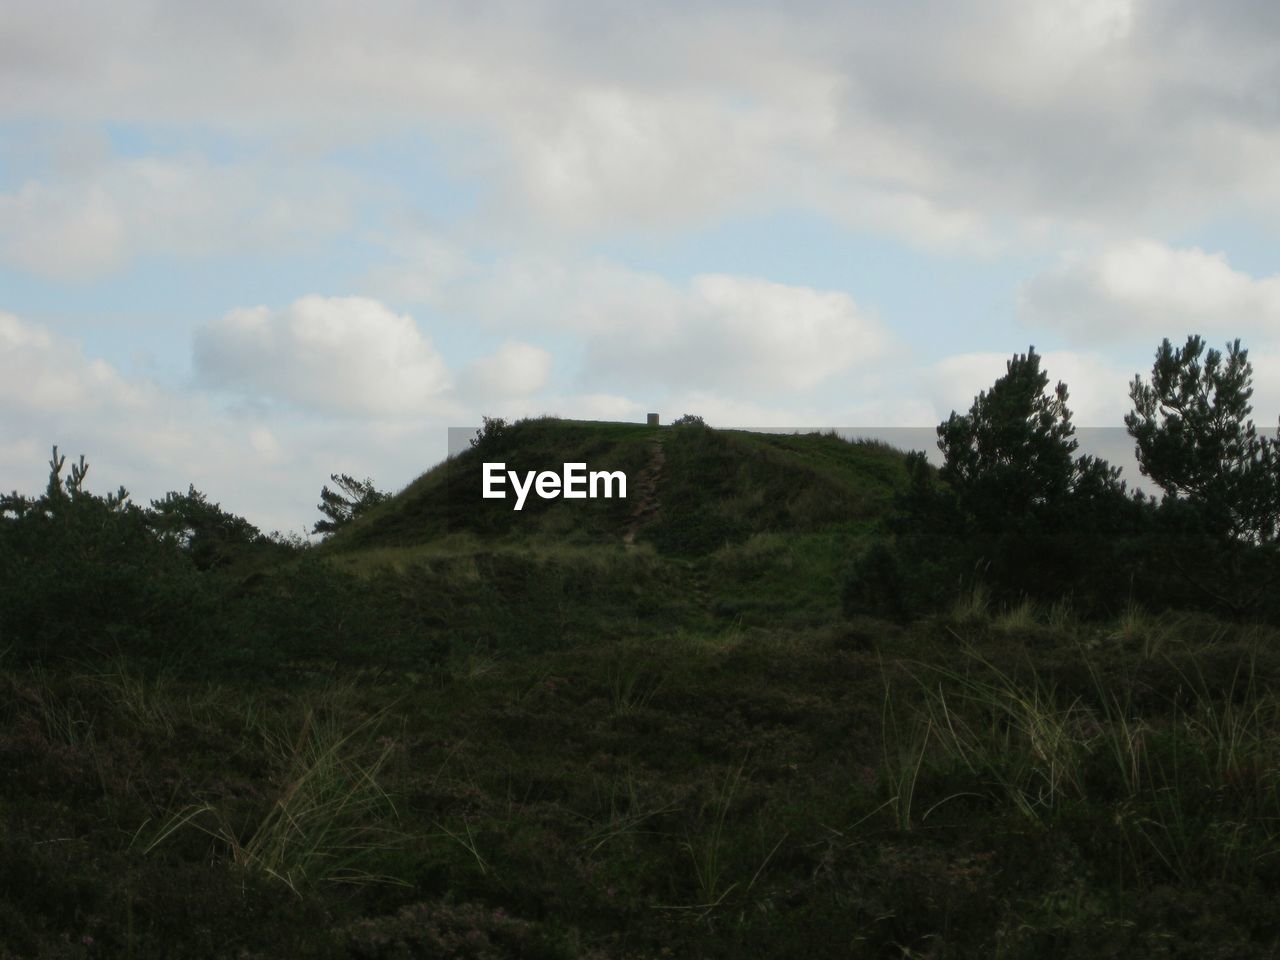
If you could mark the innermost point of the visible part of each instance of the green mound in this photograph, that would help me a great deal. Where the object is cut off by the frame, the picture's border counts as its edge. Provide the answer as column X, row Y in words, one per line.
column 691, row 490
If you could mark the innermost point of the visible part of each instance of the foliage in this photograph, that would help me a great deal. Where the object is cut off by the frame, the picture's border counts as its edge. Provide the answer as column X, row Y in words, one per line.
column 878, row 584
column 80, row 572
column 87, row 575
column 1010, row 461
column 779, row 794
column 352, row 498
column 211, row 536
column 493, row 430
column 1013, row 509
column 585, row 751
column 329, row 818
column 1196, row 440
column 689, row 420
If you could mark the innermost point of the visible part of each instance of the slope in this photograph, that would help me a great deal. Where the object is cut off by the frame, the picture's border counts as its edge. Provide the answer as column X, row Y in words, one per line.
column 713, row 487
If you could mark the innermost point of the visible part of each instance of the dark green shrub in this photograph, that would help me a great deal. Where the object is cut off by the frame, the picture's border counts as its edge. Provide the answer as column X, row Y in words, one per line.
column 1012, row 506
column 489, row 435
column 209, row 535
column 83, row 574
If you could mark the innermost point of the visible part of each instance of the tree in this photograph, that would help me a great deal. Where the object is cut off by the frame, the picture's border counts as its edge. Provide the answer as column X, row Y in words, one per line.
column 82, row 572
column 1016, row 509
column 1196, row 440
column 1011, row 460
column 352, row 498
column 494, row 429
column 211, row 536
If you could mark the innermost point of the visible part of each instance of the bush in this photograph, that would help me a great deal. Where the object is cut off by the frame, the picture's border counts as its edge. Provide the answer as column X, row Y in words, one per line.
column 209, row 535
column 494, row 429
column 85, row 576
column 81, row 573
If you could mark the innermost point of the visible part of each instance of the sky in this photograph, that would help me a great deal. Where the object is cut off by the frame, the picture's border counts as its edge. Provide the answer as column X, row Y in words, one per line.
column 247, row 245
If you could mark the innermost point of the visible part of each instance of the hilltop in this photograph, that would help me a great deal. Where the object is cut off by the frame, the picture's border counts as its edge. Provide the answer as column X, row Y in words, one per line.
column 693, row 489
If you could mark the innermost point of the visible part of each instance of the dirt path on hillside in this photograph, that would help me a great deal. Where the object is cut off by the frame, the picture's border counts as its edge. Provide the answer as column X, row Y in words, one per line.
column 647, row 508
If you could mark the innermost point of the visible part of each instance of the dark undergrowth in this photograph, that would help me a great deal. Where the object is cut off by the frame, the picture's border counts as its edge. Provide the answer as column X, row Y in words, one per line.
column 1011, row 785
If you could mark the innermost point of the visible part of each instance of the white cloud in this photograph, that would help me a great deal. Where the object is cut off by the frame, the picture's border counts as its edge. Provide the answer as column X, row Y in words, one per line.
column 423, row 263
column 1097, row 386
column 1143, row 289
column 966, row 117
column 751, row 331
column 66, row 381
column 1266, row 386
column 742, row 336
column 98, row 217
column 346, row 356
column 515, row 370
column 64, row 234
column 571, row 406
column 605, row 153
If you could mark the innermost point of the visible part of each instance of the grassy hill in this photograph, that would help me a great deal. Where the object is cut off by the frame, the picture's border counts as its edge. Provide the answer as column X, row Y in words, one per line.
column 711, row 517
column 711, row 487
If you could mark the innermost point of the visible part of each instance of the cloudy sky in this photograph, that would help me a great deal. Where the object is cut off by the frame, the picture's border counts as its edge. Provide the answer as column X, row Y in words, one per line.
column 246, row 245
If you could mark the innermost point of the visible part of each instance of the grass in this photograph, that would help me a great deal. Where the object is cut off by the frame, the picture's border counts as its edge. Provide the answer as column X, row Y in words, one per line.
column 893, row 797
column 628, row 810
column 716, row 488
column 972, row 606
column 903, row 759
column 706, row 846
column 1016, row 735
column 327, row 816
column 1017, row 617
column 634, row 680
column 1138, row 629
column 495, row 741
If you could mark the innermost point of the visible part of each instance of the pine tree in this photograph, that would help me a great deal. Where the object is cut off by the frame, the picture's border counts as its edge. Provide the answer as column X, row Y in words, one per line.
column 1011, row 460
column 1196, row 440
column 352, row 498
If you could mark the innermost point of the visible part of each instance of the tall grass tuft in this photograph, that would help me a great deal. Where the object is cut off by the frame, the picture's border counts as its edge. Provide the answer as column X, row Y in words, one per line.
column 902, row 757
column 972, row 606
column 1014, row 735
column 1017, row 618
column 329, row 818
column 1137, row 629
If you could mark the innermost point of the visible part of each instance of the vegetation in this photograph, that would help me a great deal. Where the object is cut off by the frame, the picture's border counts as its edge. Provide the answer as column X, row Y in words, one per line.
column 1014, row 511
column 490, row 432
column 644, row 728
column 352, row 498
column 1195, row 439
column 1010, row 462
